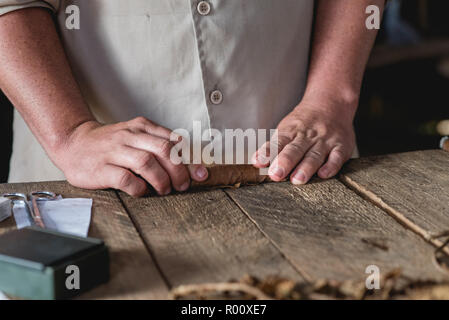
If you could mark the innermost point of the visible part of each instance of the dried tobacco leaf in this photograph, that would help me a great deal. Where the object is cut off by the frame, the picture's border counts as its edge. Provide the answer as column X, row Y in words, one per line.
column 234, row 176
column 393, row 286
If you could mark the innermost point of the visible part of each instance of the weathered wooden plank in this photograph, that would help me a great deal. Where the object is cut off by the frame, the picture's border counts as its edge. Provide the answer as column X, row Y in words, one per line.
column 133, row 272
column 204, row 237
column 330, row 232
column 413, row 187
column 7, row 225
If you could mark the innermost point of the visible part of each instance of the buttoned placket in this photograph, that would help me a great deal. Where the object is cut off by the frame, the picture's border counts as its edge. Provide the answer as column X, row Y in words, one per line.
column 201, row 10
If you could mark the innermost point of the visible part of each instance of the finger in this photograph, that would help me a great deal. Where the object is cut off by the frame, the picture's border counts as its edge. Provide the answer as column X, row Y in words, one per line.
column 269, row 150
column 310, row 163
column 334, row 162
column 161, row 149
column 261, row 158
column 150, row 127
column 144, row 164
column 198, row 172
column 288, row 158
column 122, row 179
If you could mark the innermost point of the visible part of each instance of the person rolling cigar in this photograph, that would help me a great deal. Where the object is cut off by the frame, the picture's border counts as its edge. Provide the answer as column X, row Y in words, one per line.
column 99, row 86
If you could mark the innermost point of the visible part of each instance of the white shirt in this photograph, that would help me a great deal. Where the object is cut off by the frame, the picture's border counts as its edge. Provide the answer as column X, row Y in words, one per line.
column 227, row 63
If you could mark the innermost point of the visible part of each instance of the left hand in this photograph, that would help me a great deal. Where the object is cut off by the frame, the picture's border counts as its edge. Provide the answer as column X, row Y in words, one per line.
column 316, row 137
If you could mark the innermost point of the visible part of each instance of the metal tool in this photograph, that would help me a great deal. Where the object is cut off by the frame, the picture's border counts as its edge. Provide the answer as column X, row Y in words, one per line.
column 33, row 210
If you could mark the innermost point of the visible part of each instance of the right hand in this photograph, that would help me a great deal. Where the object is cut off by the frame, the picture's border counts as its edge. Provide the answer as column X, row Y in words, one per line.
column 124, row 156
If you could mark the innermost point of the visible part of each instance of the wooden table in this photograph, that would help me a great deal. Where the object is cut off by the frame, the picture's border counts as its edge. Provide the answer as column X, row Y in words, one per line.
column 380, row 211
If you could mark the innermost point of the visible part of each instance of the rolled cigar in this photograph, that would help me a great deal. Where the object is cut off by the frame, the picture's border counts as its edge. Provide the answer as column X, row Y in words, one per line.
column 231, row 176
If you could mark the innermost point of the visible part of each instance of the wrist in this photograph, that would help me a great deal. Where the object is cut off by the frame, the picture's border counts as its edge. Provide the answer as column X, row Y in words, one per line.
column 63, row 140
column 339, row 102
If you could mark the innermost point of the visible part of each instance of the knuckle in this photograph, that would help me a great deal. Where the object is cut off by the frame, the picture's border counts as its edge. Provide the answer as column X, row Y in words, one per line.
column 312, row 133
column 161, row 182
column 140, row 120
column 295, row 147
column 165, row 149
column 123, row 135
column 339, row 155
column 144, row 160
column 314, row 155
column 138, row 190
column 337, row 160
column 280, row 142
column 286, row 160
column 290, row 134
column 181, row 174
column 324, row 128
column 124, row 179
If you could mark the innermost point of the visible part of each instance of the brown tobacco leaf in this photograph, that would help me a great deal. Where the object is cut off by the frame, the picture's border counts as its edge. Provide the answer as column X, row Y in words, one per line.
column 233, row 176
column 272, row 287
column 428, row 292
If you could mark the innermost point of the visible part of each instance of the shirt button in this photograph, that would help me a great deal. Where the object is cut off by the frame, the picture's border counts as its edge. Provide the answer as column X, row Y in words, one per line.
column 203, row 8
column 216, row 97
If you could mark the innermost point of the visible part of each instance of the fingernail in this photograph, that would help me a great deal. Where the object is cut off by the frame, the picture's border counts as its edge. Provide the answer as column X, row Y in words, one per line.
column 166, row 192
column 299, row 178
column 201, row 172
column 185, row 186
column 277, row 171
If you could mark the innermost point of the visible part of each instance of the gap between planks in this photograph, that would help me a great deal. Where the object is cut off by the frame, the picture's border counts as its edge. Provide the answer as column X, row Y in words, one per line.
column 370, row 196
column 147, row 245
column 353, row 186
column 303, row 273
column 306, row 277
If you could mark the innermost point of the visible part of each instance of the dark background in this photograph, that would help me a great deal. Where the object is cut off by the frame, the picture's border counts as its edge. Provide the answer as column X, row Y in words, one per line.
column 405, row 91
column 406, row 88
column 5, row 136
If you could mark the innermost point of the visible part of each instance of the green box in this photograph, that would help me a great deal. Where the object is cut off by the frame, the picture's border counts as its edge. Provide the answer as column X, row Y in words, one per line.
column 34, row 261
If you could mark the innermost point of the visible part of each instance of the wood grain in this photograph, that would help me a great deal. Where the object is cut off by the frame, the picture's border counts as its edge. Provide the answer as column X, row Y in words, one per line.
column 326, row 229
column 204, row 237
column 133, row 273
column 412, row 187
column 330, row 232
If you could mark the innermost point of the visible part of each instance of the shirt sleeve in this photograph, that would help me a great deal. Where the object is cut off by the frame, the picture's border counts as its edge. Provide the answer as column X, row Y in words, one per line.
column 12, row 5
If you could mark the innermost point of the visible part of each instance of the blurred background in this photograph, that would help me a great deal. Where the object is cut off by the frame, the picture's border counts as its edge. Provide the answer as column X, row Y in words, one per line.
column 405, row 95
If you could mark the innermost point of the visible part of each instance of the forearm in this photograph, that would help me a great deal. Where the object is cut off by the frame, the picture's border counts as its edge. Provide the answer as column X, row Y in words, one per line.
column 340, row 51
column 36, row 77
column 318, row 136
